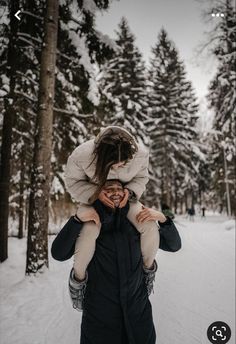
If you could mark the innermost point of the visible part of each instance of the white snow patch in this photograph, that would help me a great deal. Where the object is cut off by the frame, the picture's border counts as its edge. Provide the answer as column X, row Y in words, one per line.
column 90, row 6
column 229, row 225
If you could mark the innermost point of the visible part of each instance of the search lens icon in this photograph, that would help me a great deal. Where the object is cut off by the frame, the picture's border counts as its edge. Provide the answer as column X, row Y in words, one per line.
column 219, row 333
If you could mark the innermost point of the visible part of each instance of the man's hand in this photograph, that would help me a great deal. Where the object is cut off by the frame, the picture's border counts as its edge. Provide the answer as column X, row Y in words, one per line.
column 105, row 200
column 125, row 199
column 89, row 215
column 149, row 214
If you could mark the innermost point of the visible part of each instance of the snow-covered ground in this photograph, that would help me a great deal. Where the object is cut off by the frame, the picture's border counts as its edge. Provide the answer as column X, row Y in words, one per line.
column 194, row 287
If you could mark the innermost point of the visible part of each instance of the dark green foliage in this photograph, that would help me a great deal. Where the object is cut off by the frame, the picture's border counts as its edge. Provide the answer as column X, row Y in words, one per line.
column 171, row 125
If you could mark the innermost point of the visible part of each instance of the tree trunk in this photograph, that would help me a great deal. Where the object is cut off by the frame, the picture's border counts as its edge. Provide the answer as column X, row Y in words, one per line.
column 176, row 196
column 8, row 122
column 227, row 184
column 192, row 197
column 26, row 213
column 166, row 198
column 186, row 200
column 162, row 186
column 181, row 206
column 21, row 197
column 37, row 244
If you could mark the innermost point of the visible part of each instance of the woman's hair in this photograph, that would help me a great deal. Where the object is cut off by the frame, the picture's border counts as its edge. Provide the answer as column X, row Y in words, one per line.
column 111, row 149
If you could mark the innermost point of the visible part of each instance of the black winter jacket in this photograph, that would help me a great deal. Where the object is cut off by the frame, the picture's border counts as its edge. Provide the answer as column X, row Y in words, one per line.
column 116, row 305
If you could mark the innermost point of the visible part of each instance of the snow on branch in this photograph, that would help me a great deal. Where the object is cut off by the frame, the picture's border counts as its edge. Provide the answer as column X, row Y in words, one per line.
column 24, row 76
column 90, row 6
column 66, row 112
column 27, row 96
column 109, row 42
column 23, row 34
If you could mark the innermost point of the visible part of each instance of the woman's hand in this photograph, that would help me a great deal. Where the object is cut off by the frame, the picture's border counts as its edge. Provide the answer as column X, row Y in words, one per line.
column 105, row 200
column 89, row 215
column 125, row 199
column 149, row 214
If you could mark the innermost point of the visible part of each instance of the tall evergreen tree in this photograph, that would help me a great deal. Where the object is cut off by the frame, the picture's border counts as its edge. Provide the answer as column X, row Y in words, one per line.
column 24, row 97
column 171, row 125
column 8, row 121
column 37, row 244
column 123, row 85
column 222, row 100
column 78, row 86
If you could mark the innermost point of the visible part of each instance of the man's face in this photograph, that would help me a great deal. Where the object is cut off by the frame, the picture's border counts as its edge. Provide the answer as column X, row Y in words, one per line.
column 114, row 191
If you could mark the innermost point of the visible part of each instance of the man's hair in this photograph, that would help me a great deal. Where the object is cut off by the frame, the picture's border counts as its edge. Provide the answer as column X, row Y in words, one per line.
column 113, row 181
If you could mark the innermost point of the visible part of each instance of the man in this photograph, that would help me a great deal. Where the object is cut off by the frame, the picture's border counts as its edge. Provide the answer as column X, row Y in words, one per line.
column 116, row 308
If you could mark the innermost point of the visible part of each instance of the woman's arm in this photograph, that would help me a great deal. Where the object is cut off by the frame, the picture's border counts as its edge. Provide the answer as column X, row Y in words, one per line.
column 63, row 246
column 77, row 182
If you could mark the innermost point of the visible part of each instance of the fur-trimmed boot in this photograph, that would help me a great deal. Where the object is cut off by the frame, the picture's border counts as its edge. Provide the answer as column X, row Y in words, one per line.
column 77, row 290
column 149, row 276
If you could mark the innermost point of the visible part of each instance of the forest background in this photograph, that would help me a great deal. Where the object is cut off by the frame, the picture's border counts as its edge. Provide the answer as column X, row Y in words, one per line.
column 95, row 81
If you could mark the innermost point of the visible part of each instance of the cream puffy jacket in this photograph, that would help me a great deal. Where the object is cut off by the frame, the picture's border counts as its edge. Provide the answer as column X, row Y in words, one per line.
column 79, row 172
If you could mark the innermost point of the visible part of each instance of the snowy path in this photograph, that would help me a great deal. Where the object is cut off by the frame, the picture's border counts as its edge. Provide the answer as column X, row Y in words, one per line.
column 197, row 284
column 194, row 287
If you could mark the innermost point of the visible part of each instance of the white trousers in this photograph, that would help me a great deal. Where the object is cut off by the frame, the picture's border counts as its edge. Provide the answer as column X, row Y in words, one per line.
column 86, row 241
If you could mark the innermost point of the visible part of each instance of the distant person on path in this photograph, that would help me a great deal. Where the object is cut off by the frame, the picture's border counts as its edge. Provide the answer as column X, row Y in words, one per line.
column 116, row 307
column 221, row 208
column 191, row 213
column 203, row 212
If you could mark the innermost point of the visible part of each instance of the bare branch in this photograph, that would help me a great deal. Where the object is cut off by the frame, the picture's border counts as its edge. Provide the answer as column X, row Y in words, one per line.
column 32, row 15
column 28, row 42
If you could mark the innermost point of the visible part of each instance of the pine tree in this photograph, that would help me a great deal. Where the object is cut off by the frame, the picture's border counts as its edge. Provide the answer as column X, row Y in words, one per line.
column 24, row 99
column 222, row 99
column 37, row 244
column 8, row 121
column 171, row 125
column 123, row 85
column 77, row 88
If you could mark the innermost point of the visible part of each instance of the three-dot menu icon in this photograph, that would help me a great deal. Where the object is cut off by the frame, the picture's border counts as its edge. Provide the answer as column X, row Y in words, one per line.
column 218, row 14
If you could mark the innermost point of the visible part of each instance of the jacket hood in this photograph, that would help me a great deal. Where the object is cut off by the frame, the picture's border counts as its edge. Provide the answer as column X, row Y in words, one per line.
column 116, row 130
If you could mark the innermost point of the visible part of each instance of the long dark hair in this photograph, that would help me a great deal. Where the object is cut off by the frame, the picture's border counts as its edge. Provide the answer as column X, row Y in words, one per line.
column 112, row 148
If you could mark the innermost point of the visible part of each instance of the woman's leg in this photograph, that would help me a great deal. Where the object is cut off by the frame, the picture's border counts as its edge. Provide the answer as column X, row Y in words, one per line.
column 150, row 237
column 85, row 245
